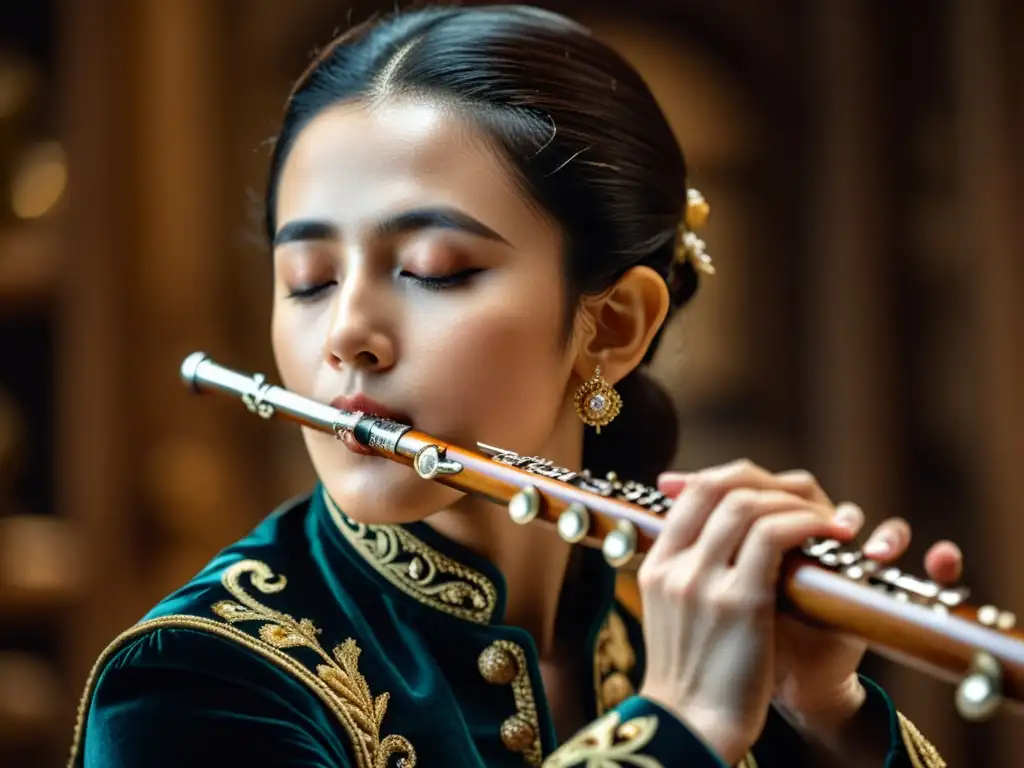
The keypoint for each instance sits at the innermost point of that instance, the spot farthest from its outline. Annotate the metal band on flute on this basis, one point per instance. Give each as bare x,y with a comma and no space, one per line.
915,621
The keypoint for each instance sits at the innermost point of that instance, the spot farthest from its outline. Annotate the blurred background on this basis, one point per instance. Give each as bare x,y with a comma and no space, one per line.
863,162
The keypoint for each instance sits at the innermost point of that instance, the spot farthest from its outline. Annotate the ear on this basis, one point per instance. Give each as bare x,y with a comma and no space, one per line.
615,328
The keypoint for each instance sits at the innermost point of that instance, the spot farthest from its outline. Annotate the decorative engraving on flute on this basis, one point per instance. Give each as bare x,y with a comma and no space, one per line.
385,434
254,400
339,430
430,461
611,486
851,562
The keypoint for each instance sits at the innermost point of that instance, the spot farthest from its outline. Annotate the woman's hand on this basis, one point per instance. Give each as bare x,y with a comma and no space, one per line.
717,654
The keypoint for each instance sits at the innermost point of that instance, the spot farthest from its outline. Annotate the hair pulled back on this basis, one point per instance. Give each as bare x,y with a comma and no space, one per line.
579,129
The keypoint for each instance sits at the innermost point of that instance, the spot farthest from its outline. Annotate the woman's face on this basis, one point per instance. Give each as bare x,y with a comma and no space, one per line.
410,270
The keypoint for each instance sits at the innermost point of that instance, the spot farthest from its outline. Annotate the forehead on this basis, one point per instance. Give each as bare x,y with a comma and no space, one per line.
353,161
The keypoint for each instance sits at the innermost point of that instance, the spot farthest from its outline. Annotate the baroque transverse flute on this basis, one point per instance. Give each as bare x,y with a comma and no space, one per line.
915,621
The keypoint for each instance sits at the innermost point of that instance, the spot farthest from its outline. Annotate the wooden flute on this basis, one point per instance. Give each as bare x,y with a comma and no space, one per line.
911,620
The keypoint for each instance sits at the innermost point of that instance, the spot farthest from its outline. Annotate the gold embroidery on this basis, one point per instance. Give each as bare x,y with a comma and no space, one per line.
606,744
320,687
614,659
362,713
338,683
526,705
922,753
418,569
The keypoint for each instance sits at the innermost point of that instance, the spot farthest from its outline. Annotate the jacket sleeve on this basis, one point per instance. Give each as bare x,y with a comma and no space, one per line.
638,732
178,697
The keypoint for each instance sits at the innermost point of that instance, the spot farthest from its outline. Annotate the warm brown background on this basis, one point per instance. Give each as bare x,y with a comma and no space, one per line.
863,161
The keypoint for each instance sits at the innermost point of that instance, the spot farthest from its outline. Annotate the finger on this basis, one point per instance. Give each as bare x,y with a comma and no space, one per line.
944,563
889,540
672,483
850,516
696,494
798,482
803,483
731,520
771,537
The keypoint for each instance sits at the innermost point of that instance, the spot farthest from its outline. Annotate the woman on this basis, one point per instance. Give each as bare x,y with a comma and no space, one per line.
476,215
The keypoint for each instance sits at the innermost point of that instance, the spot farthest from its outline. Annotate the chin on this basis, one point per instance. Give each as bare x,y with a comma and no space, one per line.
374,490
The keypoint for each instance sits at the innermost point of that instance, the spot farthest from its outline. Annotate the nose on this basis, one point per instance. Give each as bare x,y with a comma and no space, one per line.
359,334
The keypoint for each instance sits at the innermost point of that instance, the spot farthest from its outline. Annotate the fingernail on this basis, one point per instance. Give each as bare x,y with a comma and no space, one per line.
878,547
846,518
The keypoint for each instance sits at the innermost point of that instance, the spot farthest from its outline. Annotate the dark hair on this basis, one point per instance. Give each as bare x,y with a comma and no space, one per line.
580,130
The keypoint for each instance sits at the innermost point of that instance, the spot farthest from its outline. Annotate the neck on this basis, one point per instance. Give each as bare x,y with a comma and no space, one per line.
534,560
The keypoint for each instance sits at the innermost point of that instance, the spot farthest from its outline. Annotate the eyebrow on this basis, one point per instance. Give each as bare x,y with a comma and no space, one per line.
399,223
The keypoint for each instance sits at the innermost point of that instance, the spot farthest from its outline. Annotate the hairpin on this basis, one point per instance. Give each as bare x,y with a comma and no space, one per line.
690,247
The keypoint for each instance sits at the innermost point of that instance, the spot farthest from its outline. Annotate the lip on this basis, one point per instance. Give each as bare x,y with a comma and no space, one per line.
360,403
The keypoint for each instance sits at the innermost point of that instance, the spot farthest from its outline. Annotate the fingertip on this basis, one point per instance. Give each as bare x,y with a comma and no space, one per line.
944,562
671,483
850,517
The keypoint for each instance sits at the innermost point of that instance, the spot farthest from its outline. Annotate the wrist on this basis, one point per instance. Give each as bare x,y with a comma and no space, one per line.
826,715
718,733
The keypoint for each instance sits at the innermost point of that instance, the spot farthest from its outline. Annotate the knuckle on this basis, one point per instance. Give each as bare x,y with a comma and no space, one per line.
700,485
739,602
768,531
741,466
801,478
742,504
649,576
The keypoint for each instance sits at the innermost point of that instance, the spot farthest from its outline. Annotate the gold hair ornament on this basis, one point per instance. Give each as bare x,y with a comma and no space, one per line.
689,247
597,402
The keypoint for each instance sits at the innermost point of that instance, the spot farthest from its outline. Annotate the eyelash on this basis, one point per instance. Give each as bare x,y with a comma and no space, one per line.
443,282
428,282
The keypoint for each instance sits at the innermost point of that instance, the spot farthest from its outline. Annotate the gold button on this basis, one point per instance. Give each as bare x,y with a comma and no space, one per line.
615,689
517,734
497,665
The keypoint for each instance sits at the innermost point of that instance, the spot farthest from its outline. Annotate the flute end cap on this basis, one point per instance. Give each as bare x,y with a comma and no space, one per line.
189,368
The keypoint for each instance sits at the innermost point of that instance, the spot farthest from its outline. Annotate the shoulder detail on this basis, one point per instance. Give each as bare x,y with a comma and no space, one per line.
922,752
337,681
419,570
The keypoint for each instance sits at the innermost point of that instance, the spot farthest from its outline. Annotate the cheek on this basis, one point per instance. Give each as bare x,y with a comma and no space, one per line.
497,375
298,340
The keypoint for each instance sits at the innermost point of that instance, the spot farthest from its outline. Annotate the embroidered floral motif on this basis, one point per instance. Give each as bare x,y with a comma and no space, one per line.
361,713
614,659
607,744
922,752
419,570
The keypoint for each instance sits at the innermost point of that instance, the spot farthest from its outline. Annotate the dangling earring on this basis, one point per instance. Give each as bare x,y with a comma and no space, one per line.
597,403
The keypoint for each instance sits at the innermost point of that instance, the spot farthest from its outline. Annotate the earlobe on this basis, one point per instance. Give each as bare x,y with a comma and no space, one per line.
619,324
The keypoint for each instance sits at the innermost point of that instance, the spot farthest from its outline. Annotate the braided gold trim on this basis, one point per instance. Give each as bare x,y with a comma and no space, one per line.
922,752
419,570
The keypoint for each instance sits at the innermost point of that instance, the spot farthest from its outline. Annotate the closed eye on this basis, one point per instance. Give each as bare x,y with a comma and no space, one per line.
310,292
442,282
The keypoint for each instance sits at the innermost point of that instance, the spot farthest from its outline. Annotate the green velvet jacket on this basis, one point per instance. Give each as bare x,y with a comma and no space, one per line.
318,641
